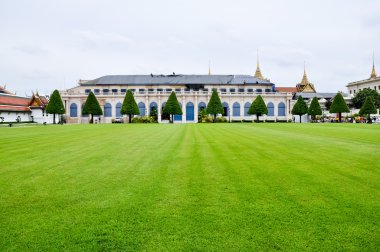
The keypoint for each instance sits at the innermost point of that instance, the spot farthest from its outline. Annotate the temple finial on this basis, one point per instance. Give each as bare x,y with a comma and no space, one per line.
209,68
304,80
373,72
258,72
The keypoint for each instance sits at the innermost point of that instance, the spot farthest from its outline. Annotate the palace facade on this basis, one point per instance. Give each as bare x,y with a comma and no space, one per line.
373,82
236,92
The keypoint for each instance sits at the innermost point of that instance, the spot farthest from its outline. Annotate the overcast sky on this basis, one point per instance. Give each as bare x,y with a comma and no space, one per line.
47,44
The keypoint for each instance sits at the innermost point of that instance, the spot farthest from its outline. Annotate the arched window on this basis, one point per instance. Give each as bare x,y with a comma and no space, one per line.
73,110
107,110
118,108
226,111
281,109
236,109
142,108
247,105
190,111
201,106
270,107
153,105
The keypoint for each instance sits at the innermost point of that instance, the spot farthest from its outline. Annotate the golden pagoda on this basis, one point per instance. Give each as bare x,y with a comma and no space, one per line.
305,86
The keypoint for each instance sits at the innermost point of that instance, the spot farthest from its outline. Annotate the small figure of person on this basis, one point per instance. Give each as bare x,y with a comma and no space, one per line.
99,119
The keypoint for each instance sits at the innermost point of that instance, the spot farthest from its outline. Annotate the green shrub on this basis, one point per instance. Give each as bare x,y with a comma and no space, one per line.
143,119
221,120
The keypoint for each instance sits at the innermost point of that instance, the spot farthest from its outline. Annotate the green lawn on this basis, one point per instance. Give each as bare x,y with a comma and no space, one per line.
190,187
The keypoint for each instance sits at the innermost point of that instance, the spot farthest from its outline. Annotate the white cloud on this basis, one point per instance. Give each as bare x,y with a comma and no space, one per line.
101,37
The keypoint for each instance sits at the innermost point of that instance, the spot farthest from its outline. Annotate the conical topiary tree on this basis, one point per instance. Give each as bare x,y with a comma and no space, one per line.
55,105
315,108
129,106
172,107
92,107
339,106
368,108
214,106
300,108
258,108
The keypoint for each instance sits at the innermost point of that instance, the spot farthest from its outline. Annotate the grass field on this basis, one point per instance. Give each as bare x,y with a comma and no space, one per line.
190,187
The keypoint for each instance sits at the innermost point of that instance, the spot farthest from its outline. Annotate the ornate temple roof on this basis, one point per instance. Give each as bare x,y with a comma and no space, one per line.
13,103
38,101
10,102
305,86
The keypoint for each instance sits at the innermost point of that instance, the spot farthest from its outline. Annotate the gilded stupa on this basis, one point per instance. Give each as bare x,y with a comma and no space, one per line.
258,73
373,72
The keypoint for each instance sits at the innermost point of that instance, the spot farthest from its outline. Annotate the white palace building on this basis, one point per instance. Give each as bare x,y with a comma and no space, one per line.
193,93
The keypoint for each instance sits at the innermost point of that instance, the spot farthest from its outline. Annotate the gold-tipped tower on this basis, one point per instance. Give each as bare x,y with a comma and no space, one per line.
305,86
258,73
373,72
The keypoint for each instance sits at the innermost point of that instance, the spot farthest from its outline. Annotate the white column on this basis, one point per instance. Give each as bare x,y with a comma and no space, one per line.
229,117
66,103
196,109
147,108
79,111
113,104
287,107
159,109
241,108
275,109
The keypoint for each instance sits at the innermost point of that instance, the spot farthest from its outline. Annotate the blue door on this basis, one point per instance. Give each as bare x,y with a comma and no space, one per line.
189,111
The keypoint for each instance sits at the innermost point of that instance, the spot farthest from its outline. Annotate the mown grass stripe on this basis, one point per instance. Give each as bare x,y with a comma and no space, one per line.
190,187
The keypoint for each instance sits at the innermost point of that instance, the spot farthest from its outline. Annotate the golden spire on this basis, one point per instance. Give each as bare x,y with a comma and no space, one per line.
209,68
373,73
305,86
304,80
258,72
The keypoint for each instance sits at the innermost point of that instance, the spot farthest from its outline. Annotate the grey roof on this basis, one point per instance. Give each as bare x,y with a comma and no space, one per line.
354,83
318,95
174,79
